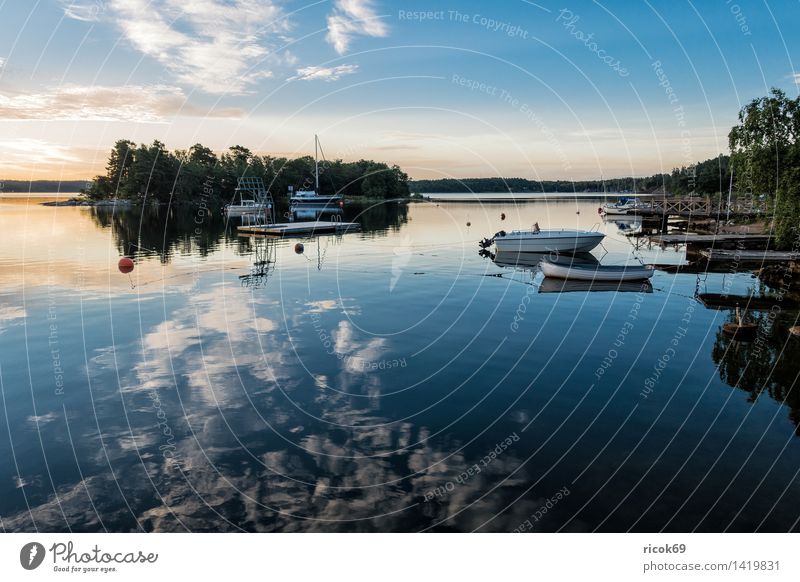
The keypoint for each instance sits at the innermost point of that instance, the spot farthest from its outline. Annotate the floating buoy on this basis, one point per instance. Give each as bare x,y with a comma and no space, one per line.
600,210
577,212
795,330
125,265
299,248
469,223
502,216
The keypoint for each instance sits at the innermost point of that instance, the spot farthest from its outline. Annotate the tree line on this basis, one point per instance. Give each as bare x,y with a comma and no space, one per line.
41,185
144,173
706,178
765,155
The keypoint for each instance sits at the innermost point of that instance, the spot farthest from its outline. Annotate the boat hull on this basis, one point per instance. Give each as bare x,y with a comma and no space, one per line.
551,285
568,242
598,273
531,261
321,201
618,211
246,210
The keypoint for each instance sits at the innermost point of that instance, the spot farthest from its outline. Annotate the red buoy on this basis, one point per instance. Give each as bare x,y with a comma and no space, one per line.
600,210
299,248
125,265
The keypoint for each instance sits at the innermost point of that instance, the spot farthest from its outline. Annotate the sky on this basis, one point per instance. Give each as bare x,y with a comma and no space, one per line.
513,88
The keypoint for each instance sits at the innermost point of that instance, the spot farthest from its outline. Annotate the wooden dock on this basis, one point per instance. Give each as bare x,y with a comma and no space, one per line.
749,256
298,228
701,239
697,207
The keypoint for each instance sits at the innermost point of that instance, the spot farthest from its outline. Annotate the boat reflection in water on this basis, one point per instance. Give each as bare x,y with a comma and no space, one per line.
315,212
626,224
551,285
531,261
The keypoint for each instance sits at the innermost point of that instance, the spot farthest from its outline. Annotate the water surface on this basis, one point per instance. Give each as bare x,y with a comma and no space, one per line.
387,380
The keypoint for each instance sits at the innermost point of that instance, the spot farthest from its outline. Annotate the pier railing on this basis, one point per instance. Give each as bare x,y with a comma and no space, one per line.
704,206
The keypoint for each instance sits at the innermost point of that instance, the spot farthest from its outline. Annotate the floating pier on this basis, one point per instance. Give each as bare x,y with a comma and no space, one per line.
698,239
298,228
749,256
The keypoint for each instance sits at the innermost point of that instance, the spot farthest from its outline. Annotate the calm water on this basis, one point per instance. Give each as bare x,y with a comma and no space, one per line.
387,380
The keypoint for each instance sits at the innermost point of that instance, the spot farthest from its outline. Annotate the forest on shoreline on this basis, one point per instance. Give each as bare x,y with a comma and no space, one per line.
151,173
707,178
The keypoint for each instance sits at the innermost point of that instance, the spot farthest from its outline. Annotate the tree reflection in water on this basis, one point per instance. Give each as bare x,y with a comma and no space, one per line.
770,363
184,230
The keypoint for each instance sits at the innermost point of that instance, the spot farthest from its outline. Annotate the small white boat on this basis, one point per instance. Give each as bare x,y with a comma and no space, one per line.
624,206
545,241
615,273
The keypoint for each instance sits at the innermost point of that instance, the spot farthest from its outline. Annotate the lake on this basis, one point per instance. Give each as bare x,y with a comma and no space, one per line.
384,380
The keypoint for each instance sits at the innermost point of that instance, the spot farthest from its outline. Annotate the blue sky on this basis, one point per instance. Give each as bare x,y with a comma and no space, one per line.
513,88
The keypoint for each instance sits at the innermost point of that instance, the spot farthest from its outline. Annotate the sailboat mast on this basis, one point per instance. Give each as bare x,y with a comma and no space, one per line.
316,163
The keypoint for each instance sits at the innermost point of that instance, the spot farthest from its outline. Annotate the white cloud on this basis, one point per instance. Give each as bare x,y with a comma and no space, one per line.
796,76
351,18
324,73
49,152
214,45
142,103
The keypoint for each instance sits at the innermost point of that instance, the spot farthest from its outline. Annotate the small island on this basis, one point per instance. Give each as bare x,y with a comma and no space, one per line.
152,174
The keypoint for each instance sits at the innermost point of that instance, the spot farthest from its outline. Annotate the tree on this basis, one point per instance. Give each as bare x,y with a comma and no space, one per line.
765,156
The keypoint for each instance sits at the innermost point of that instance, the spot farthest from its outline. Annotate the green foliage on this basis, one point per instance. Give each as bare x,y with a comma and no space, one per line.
154,174
765,155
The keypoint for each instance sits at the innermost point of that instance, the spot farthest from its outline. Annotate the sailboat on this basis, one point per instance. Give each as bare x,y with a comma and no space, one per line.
307,197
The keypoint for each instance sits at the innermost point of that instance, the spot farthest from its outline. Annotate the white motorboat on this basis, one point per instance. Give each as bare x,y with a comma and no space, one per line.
624,206
578,272
547,240
312,196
